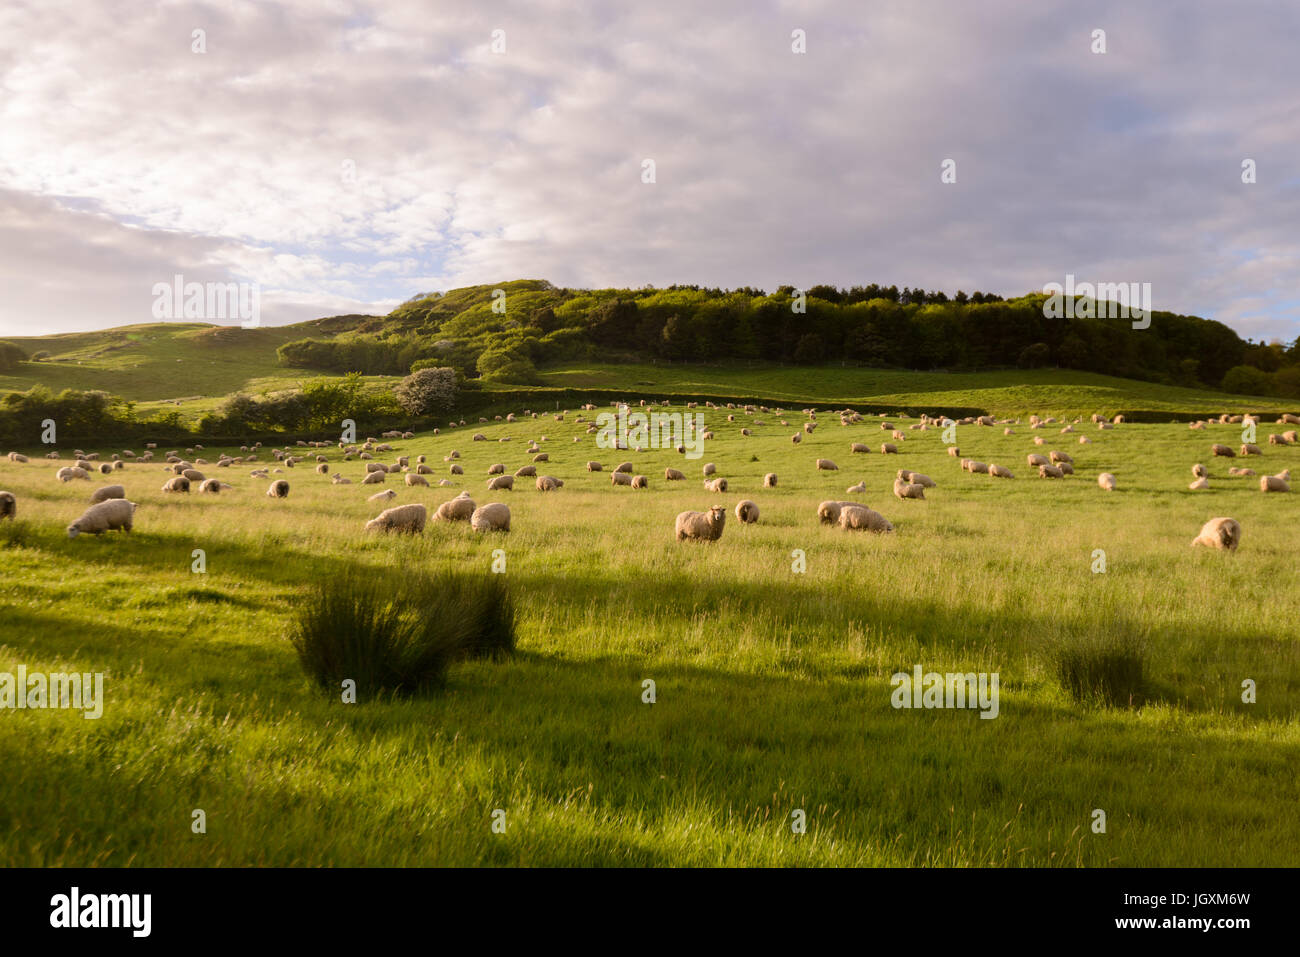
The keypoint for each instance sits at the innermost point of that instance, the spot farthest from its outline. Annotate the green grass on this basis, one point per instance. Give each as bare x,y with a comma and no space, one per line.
772,688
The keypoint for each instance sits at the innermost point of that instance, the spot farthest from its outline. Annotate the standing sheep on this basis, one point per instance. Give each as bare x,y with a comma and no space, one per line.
716,485
8,506
105,492
116,514
70,472
769,480
177,483
1200,471
701,526
459,509
546,483
493,517
746,512
888,448
403,519
826,465
674,475
709,469
640,481
210,486
499,482
859,517
280,488
414,478
908,490
1222,533
1106,481
1223,450
828,513
620,478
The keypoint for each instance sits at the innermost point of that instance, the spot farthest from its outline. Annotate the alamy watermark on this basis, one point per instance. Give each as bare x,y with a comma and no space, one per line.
37,690
654,430
922,689
208,301
1103,300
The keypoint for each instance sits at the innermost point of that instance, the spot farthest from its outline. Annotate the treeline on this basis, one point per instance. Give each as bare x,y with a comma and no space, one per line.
505,333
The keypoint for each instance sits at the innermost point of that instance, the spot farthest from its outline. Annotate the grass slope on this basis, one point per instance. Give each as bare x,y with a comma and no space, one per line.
772,686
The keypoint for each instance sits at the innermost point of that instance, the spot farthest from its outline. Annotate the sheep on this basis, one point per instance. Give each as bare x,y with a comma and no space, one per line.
640,481
1039,440
594,467
625,467
908,490
857,489
497,469
177,483
1250,450
828,513
796,438
115,514
978,468
809,426
916,478
746,512
716,485
375,478
70,472
383,496
1199,484
1059,457
1242,473
526,471
336,478
106,492
1035,460
403,519
954,451
1106,481
479,437
423,470
826,465
859,517
18,457
1050,471
859,447
1223,450
619,478
9,506
1000,471
1275,439
1066,468
413,478
1200,471
888,448
769,480
709,469
1292,437
376,467
546,483
279,489
456,470
1223,533
323,469
1290,418
211,486
493,517
500,482
700,526
459,509
1084,440
1273,483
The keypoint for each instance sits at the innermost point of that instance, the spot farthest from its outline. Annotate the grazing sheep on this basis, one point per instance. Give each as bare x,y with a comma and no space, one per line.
18,457
916,478
619,478
1106,481
701,526
673,475
857,489
493,517
499,482
210,486
1058,457
796,438
70,472
1000,471
375,478
412,478
1251,450
640,481
423,470
323,469
908,490
1292,437
746,512
1050,471
977,468
625,467
1066,468
1035,460
497,469
459,509
1240,472
593,466
828,513
1273,483
541,457
106,468
383,496
859,447
1275,439
116,514
1200,471
1199,484
403,519
280,489
954,451
769,480
709,469
826,465
479,437
888,448
106,492
858,517
9,504
1222,533
716,485
527,471
546,483
1223,450
376,467
177,483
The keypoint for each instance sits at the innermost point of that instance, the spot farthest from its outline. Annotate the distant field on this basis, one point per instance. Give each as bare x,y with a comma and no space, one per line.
773,687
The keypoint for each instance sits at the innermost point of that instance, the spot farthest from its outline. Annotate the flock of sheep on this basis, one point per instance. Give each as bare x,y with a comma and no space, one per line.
109,509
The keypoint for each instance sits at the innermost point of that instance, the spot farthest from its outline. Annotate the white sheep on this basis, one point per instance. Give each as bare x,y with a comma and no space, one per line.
70,472
769,480
116,514
414,478
828,513
1224,533
857,489
888,448
546,483
459,509
383,496
852,516
746,512
1050,471
493,517
279,489
177,483
106,492
211,486
826,465
908,490
709,469
674,475
1200,484
1273,483
701,526
499,482
640,481
716,485
403,519
1036,460
1106,481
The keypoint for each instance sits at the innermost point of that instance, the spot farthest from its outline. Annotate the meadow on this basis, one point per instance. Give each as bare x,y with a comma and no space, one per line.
772,686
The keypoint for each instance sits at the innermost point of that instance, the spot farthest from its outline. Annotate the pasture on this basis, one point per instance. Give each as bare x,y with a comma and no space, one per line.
772,686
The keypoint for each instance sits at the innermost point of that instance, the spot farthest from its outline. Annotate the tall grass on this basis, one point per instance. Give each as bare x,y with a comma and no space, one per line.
1107,667
401,637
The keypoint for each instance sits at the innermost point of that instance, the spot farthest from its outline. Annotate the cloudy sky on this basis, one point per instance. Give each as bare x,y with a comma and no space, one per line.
345,155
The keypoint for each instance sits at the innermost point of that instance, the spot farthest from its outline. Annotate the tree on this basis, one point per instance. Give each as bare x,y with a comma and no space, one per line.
1247,380
427,391
810,350
10,356
1031,357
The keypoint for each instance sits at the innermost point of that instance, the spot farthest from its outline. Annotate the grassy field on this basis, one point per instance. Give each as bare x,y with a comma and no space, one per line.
773,687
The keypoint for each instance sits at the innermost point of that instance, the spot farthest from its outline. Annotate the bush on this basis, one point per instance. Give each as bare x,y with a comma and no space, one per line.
10,356
400,636
1247,380
1107,669
427,391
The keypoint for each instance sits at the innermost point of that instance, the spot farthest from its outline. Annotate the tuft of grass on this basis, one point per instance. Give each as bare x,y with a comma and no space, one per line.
400,638
1107,667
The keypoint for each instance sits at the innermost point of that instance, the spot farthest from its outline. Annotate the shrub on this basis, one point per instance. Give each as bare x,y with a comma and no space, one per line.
427,391
400,636
1107,668
10,356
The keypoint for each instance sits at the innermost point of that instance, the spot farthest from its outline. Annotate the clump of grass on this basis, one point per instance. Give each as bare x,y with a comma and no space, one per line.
400,637
1106,667
13,534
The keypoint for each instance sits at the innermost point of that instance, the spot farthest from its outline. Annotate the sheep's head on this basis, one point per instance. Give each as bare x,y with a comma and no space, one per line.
718,514
74,530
